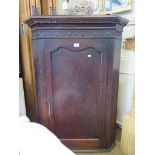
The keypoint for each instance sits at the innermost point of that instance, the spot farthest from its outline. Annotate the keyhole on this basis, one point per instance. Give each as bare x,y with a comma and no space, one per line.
89,55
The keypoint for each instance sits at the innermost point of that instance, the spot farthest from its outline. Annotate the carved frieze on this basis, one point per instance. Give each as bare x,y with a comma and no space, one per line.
40,33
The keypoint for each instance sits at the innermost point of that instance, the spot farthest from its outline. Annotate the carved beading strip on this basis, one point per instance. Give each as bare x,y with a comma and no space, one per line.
75,34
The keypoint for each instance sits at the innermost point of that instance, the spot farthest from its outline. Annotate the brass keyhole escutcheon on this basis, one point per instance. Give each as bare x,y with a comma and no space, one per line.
89,55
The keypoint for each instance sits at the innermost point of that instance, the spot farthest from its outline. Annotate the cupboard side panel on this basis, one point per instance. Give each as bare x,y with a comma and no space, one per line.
40,82
112,90
116,67
103,84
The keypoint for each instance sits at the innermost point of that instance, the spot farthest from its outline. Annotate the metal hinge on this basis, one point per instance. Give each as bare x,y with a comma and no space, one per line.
50,102
23,29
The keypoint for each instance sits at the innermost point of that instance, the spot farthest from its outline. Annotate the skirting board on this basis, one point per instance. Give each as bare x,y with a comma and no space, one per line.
94,150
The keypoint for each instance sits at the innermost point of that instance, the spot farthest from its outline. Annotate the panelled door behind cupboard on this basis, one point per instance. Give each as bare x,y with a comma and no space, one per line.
76,68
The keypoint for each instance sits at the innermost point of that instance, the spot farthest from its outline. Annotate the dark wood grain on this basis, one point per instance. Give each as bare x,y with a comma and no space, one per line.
76,65
81,143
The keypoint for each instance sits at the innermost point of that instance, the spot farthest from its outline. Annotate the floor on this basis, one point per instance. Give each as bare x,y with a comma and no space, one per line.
115,151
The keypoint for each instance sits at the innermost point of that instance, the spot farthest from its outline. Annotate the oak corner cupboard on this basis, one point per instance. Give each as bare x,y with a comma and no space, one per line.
76,70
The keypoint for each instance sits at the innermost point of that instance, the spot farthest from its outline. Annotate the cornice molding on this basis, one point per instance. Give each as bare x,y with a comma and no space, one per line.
71,20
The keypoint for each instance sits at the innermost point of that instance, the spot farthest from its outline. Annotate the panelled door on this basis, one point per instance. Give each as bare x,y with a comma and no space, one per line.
76,80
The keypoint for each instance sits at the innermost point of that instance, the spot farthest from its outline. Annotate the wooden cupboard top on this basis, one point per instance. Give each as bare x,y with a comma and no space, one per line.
98,20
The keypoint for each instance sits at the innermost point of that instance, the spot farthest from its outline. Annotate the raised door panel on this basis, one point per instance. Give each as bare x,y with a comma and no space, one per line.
76,82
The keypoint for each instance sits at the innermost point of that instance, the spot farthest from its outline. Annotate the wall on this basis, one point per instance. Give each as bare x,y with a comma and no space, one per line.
22,110
126,78
129,31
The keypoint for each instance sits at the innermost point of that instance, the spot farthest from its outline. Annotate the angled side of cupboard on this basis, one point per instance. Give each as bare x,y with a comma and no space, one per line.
76,68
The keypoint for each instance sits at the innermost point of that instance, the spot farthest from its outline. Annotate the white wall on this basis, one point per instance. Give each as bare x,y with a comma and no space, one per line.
22,110
126,78
126,84
129,30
